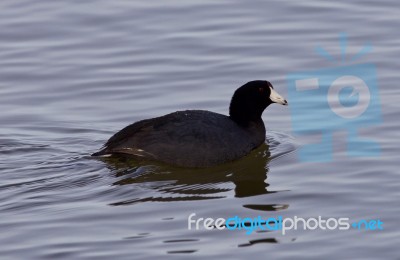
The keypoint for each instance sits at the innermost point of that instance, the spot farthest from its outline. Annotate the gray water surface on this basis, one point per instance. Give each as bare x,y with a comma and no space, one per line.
72,73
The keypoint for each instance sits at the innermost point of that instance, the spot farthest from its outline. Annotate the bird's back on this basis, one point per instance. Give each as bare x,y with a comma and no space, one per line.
192,138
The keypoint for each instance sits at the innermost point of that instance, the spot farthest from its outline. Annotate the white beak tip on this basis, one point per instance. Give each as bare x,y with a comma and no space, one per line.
276,98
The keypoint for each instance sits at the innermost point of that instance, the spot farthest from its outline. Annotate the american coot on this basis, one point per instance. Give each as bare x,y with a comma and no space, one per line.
197,138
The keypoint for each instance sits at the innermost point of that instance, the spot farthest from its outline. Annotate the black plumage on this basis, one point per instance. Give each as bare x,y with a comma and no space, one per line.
197,138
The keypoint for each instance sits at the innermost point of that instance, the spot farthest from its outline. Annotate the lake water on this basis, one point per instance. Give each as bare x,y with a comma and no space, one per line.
72,73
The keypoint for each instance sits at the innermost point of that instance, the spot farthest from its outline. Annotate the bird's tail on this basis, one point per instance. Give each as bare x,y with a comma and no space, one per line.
101,152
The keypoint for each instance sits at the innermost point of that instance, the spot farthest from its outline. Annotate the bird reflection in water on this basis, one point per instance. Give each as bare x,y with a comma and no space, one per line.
246,177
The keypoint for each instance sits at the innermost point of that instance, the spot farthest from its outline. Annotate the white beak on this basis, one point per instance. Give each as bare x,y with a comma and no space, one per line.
276,98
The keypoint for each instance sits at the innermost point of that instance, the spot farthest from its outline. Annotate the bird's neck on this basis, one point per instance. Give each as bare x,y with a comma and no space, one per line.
244,116
250,120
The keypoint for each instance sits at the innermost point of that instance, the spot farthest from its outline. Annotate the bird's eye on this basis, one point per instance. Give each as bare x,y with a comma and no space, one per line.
261,90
